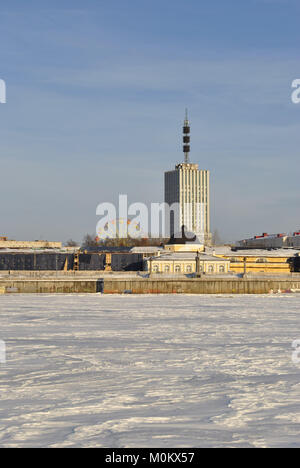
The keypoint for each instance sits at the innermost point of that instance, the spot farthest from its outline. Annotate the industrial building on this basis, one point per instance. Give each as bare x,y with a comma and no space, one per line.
59,261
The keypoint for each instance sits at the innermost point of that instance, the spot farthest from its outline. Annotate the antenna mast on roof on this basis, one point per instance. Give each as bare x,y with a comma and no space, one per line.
186,138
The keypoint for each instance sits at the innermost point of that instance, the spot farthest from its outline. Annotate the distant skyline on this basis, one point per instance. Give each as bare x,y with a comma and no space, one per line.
96,96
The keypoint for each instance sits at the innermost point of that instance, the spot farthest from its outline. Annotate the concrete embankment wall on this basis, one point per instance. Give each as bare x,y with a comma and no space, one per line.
200,286
51,286
59,275
149,286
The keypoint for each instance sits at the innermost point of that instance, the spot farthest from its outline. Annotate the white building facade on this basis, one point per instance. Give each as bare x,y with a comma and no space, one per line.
185,263
188,187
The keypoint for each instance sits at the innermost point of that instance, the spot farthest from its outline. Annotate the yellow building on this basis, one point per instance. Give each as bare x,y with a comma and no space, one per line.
259,261
185,263
13,244
184,247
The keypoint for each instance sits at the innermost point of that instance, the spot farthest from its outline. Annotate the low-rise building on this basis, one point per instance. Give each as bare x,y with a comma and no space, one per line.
279,261
270,241
13,244
186,263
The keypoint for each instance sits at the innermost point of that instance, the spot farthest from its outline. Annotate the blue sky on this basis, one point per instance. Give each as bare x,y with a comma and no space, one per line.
96,93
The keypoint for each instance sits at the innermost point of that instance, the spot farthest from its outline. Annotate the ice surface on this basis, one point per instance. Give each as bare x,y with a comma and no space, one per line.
149,371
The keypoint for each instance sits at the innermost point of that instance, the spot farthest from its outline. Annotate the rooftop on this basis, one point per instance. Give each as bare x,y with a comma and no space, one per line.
224,250
145,249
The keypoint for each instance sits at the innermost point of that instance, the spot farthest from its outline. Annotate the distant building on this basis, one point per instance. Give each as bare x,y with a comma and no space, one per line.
12,244
271,241
188,187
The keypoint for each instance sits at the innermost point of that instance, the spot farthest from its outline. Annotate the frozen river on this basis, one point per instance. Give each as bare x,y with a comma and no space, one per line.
149,371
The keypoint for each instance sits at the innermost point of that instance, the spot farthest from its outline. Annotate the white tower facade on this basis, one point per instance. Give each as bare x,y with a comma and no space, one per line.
188,187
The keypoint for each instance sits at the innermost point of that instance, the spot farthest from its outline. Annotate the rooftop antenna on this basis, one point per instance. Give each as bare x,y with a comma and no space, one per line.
186,138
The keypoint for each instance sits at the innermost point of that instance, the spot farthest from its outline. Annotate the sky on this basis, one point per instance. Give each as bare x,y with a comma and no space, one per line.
96,96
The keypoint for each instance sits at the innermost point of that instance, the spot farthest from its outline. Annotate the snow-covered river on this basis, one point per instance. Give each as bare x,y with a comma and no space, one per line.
149,371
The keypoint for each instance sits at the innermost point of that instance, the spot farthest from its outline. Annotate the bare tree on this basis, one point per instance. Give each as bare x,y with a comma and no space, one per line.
132,242
71,243
216,239
89,241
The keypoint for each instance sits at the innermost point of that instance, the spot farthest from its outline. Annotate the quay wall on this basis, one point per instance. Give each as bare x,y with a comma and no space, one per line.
149,286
